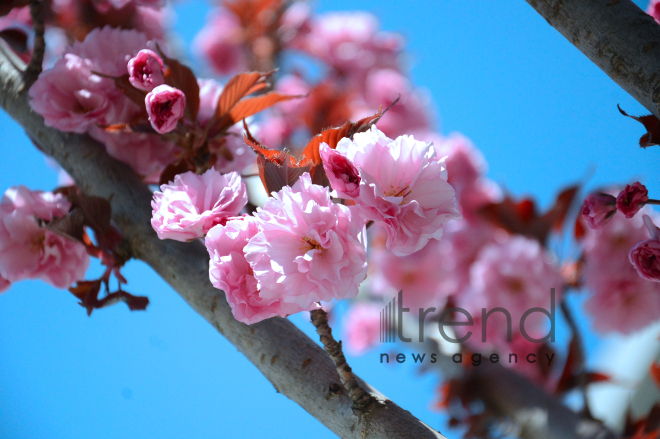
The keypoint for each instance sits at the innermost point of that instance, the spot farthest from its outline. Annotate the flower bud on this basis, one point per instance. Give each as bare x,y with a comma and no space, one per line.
598,209
631,199
165,106
145,70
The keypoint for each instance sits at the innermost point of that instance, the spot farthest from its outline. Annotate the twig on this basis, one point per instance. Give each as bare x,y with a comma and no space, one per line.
362,400
36,62
582,379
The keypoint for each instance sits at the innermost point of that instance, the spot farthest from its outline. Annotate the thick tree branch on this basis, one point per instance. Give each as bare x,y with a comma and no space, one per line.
293,363
617,36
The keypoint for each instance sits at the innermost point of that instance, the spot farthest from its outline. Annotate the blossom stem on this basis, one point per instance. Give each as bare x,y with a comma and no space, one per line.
362,399
36,62
581,376
651,201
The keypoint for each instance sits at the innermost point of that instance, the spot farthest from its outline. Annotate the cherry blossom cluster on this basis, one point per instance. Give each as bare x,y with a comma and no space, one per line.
28,250
600,208
301,248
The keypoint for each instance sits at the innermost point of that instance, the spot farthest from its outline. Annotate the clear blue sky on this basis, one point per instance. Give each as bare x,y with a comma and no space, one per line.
541,113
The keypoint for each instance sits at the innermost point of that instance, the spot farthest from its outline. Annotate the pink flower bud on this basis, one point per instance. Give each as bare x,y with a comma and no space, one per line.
645,255
344,177
598,209
145,70
631,199
165,107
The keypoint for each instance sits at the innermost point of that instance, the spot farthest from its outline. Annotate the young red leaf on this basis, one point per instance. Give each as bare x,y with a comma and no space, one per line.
134,303
276,168
652,125
522,218
655,373
179,76
132,93
332,136
87,292
174,169
237,88
70,226
96,212
248,107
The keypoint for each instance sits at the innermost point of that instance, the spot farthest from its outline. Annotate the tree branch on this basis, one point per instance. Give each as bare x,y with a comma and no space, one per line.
293,363
617,36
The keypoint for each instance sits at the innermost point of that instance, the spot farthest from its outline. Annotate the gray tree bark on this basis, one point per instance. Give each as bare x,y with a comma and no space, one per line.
617,36
295,365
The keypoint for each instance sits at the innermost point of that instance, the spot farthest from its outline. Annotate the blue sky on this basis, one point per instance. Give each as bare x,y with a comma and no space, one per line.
540,112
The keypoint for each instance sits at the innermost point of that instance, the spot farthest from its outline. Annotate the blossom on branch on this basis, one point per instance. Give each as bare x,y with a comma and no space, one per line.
145,70
308,249
403,186
192,204
598,209
30,251
165,107
230,272
631,199
645,255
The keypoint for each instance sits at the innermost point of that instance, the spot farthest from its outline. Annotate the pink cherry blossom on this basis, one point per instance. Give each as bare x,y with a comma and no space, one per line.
644,256
410,114
419,275
344,177
190,206
621,300
110,49
70,97
148,154
598,209
309,249
403,186
145,70
230,272
165,106
28,251
209,93
232,154
352,43
465,164
514,273
631,199
220,42
362,327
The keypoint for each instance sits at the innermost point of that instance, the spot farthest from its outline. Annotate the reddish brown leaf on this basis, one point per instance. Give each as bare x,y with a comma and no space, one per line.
134,303
332,136
655,373
17,40
328,105
132,93
276,168
237,88
7,5
70,226
579,232
179,76
96,211
652,125
248,107
174,169
522,218
117,128
87,292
